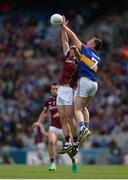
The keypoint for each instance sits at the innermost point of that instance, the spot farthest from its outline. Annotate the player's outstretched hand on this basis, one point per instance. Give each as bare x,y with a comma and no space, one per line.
65,22
35,124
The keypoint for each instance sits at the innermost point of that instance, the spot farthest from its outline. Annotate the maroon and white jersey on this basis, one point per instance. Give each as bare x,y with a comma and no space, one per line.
51,105
69,73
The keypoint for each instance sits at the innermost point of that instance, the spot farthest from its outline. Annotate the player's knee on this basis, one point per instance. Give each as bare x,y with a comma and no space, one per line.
77,108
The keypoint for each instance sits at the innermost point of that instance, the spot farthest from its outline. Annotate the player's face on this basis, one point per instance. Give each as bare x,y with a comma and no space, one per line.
54,89
91,43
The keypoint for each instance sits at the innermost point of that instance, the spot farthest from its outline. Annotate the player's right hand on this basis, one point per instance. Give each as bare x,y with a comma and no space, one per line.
35,124
65,22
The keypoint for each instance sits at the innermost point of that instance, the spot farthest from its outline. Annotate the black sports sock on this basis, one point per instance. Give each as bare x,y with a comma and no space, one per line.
52,160
67,138
86,125
75,139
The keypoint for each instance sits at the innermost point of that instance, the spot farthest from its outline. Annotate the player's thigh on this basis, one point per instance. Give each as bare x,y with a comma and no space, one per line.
82,102
69,111
87,100
52,137
61,110
79,103
57,131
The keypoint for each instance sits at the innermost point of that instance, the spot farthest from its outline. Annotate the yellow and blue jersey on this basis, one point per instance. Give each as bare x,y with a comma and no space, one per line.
89,61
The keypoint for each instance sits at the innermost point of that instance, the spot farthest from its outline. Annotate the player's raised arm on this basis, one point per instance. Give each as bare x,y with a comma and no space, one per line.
41,118
71,35
64,39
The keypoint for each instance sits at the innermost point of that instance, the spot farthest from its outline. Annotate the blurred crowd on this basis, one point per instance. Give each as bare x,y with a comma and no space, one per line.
31,58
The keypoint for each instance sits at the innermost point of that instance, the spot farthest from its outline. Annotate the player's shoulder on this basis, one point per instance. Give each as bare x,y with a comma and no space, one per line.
50,98
84,48
47,100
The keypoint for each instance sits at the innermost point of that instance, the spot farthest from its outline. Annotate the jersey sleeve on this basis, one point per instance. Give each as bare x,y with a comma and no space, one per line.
84,49
79,45
46,104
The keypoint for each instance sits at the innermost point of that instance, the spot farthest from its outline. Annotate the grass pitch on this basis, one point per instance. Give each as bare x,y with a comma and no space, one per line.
64,172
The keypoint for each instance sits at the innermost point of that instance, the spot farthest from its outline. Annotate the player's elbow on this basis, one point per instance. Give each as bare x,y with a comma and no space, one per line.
74,39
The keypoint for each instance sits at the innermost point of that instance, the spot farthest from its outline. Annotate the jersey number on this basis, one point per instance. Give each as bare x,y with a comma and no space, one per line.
95,63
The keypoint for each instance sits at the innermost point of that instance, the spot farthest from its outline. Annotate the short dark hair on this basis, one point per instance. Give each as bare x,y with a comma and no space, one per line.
98,43
54,84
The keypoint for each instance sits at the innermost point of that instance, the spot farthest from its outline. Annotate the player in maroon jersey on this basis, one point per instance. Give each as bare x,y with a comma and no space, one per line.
55,129
55,125
65,95
68,82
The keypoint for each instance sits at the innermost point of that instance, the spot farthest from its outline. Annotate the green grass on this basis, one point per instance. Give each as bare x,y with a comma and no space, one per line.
64,172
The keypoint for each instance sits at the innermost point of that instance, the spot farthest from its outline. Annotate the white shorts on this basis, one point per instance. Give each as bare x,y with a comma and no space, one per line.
86,87
58,131
65,96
